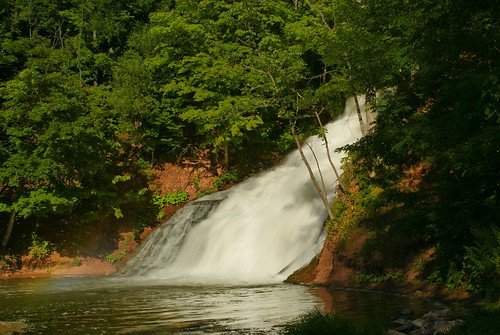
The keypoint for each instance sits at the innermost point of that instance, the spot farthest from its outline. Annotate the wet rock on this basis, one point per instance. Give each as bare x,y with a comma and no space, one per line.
422,323
406,311
431,323
432,316
442,313
442,326
402,325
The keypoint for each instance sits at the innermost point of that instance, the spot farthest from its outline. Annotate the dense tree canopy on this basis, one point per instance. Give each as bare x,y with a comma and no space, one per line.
93,93
444,115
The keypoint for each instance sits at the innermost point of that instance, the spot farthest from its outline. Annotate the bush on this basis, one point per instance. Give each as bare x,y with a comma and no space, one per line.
483,263
227,177
39,251
116,256
174,198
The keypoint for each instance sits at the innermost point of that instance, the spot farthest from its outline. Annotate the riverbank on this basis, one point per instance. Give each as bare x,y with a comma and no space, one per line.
321,272
90,267
336,268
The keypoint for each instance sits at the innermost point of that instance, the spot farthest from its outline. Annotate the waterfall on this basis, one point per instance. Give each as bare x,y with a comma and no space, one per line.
260,231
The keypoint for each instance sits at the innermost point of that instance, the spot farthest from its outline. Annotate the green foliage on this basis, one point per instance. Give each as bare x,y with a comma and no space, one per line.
8,263
174,198
225,178
372,278
4,265
447,274
116,256
76,261
483,262
152,130
39,251
62,144
362,200
440,114
316,322
234,85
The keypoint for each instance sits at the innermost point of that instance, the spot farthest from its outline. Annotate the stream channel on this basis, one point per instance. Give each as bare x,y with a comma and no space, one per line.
121,306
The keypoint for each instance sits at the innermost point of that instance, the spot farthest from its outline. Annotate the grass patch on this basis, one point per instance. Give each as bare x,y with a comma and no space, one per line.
316,322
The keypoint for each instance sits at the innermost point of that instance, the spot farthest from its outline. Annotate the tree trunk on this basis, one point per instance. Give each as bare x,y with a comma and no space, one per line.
322,194
354,95
369,111
323,186
10,225
225,162
327,148
358,109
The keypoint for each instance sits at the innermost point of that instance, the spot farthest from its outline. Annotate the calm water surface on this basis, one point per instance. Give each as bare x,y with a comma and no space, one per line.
122,306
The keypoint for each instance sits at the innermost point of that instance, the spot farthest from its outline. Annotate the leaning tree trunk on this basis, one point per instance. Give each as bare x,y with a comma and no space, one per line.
354,95
10,225
321,193
323,186
358,108
369,110
327,148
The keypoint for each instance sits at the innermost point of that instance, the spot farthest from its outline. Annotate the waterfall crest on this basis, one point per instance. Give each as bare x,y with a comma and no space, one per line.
263,229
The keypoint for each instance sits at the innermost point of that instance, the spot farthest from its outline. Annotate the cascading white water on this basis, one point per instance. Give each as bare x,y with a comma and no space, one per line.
266,228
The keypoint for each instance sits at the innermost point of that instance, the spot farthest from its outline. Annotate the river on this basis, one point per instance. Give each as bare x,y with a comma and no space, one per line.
120,306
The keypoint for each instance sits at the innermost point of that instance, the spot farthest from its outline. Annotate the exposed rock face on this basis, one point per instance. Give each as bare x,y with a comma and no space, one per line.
341,263
191,177
331,267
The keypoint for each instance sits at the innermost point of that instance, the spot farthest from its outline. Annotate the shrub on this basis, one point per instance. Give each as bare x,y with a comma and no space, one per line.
173,198
116,256
483,263
374,278
225,178
39,251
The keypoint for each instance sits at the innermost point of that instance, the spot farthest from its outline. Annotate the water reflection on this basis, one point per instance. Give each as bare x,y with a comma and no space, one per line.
373,305
116,306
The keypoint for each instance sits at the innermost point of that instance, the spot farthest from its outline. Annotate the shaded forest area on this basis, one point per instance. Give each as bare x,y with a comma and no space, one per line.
94,93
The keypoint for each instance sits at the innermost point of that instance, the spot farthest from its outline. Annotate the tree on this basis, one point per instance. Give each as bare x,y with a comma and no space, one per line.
205,83
45,144
443,111
152,131
60,152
